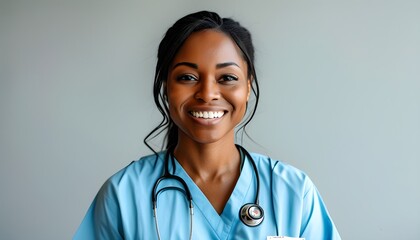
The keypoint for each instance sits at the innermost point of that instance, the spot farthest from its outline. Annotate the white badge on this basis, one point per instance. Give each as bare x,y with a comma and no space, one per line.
283,238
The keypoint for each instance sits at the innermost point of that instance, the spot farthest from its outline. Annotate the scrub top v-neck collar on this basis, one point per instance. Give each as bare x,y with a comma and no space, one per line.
221,224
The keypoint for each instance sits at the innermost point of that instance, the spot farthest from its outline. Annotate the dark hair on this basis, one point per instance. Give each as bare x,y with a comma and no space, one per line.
169,47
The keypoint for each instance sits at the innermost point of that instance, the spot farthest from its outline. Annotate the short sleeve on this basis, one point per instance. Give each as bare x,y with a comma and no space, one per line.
316,221
103,218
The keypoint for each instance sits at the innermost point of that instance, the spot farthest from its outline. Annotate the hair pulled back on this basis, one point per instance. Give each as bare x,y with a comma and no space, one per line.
169,47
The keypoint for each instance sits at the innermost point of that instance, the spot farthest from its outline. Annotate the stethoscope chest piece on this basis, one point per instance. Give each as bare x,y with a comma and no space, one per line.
251,214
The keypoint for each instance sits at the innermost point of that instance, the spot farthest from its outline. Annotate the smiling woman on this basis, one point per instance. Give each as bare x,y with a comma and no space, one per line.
209,76
204,78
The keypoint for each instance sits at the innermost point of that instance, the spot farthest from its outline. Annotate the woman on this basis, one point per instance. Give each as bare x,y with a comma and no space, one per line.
204,186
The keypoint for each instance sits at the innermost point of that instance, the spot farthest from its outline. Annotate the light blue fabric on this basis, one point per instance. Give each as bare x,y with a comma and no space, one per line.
122,208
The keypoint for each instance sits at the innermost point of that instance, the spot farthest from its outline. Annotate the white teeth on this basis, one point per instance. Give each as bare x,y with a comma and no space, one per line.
208,115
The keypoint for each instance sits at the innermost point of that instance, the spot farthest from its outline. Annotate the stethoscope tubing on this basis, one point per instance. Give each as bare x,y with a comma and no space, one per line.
186,191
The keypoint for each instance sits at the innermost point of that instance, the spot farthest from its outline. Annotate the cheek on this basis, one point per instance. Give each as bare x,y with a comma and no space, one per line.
172,95
175,102
241,96
239,100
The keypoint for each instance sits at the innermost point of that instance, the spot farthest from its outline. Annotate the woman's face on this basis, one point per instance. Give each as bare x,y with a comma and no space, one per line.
207,88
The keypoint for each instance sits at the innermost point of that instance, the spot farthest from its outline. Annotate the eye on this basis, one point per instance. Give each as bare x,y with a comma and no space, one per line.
228,78
186,78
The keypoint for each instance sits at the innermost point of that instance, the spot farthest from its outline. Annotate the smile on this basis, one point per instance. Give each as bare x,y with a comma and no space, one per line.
207,114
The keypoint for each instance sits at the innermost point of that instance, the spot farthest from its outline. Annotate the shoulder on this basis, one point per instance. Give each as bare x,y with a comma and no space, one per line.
279,168
144,170
111,212
282,173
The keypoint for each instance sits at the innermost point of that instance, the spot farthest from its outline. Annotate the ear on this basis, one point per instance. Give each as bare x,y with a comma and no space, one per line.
249,89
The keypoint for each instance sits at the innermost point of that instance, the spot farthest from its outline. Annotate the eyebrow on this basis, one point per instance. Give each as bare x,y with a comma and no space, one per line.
226,64
192,65
195,66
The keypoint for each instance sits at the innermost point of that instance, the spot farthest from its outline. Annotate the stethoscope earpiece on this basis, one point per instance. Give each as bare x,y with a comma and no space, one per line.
251,214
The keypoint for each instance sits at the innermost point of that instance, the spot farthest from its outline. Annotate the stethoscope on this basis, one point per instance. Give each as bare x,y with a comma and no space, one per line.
251,214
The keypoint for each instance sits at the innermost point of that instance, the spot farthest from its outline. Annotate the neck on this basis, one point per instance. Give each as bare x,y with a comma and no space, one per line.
208,160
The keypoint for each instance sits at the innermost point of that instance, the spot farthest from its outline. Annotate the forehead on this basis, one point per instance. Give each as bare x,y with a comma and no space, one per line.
209,46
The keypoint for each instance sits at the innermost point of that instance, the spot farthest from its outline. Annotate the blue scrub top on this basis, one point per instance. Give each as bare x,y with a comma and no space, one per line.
123,209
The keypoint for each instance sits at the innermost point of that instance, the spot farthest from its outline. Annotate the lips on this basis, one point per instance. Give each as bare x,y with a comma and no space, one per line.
207,114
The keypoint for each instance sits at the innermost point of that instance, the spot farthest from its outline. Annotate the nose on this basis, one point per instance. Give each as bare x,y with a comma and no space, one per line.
208,90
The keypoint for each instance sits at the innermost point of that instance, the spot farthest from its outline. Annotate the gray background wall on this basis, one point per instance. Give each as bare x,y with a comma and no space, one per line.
340,100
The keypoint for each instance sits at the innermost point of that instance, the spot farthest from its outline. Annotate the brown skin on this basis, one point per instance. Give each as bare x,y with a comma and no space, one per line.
208,74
